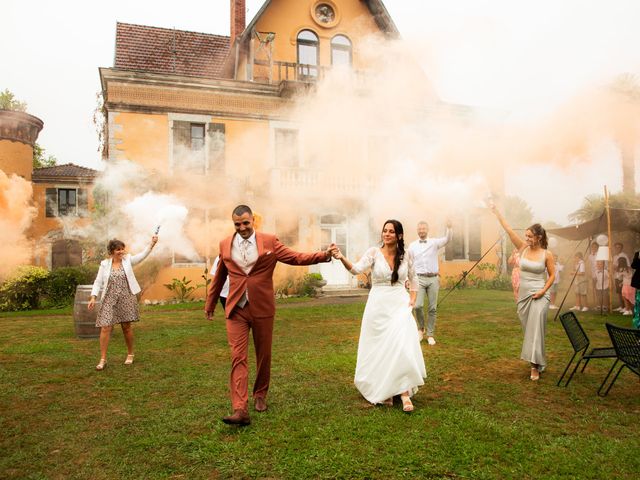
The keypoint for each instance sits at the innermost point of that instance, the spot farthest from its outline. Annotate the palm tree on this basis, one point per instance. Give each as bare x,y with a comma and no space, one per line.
627,88
593,205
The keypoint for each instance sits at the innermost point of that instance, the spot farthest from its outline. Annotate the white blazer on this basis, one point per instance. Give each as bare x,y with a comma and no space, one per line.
128,261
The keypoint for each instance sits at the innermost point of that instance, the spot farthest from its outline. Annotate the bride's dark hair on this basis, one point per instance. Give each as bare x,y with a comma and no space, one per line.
397,226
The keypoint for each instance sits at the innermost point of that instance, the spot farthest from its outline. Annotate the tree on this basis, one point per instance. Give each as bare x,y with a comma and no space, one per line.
593,206
517,212
8,101
40,159
627,87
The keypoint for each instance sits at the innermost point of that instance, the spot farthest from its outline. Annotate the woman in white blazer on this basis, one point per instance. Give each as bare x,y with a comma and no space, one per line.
117,286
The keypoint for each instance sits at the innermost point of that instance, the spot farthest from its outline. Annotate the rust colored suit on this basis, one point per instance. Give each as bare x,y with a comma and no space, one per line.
257,314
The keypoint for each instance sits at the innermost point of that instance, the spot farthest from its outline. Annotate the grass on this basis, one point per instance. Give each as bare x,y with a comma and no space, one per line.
478,416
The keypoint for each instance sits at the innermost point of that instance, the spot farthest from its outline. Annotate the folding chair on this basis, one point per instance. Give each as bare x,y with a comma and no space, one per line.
580,343
626,342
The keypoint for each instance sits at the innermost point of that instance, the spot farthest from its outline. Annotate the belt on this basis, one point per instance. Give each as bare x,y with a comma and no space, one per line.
427,274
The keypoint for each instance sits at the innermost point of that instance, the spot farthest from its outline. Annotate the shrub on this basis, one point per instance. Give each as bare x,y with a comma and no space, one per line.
62,282
488,279
181,288
24,289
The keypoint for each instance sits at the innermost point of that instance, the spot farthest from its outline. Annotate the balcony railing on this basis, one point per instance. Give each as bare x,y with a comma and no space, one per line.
299,72
312,181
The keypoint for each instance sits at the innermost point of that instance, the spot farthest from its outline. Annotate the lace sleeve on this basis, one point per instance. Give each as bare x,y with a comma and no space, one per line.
411,273
365,263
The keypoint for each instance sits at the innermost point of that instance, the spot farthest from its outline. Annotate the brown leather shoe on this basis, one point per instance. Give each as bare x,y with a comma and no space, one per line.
239,417
260,404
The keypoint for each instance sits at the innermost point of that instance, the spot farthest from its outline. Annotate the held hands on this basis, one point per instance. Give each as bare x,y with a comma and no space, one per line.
330,251
334,251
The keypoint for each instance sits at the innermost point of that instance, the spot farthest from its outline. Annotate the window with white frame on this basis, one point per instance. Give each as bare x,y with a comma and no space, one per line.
66,202
198,147
287,148
307,46
341,55
466,241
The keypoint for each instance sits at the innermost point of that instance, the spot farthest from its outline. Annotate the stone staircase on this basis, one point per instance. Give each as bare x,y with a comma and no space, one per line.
344,291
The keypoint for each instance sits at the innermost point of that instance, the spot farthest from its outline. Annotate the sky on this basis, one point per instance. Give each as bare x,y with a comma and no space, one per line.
520,58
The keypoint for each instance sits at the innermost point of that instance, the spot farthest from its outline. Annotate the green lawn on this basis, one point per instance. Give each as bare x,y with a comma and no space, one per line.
478,416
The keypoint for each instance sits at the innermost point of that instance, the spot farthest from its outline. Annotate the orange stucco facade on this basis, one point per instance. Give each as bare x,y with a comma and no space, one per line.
16,158
144,108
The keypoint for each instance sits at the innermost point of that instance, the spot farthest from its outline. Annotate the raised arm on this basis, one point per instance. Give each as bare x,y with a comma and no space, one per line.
513,236
135,259
286,255
361,265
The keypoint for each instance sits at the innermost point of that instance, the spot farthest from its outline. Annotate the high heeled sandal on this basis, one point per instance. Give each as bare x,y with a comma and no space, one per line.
102,364
535,374
388,402
129,359
407,405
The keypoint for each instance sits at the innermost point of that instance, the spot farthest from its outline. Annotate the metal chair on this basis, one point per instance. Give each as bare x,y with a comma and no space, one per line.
580,343
626,342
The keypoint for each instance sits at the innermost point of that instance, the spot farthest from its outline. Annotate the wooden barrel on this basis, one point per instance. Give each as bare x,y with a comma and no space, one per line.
84,320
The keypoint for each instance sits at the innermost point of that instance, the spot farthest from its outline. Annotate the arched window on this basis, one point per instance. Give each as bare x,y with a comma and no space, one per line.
307,54
341,51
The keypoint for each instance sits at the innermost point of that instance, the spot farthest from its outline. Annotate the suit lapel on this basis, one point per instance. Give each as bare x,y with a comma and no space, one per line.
228,246
260,244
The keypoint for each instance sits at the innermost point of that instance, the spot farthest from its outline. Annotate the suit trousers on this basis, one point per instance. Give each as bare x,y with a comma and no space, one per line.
238,326
429,286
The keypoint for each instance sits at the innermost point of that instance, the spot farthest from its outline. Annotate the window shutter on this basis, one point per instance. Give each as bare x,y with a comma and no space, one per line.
83,203
181,142
475,238
217,141
51,202
454,250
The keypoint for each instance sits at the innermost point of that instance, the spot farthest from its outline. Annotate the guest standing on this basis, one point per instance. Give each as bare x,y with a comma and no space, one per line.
514,263
425,254
537,273
119,304
581,283
628,292
635,283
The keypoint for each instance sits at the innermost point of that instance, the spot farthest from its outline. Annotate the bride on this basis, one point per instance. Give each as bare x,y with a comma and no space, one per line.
389,355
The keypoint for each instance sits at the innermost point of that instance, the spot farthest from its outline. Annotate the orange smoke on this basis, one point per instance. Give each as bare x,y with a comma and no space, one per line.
16,214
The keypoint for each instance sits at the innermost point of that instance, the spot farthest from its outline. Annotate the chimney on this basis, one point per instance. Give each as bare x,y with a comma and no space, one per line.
238,22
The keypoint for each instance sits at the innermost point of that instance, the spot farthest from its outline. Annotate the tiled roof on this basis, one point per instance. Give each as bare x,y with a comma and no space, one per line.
167,51
66,170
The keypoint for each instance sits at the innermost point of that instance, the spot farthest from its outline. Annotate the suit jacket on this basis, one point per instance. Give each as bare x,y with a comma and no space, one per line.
128,261
259,281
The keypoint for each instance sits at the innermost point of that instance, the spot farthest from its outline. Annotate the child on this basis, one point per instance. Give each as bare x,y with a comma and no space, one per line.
602,287
556,282
580,273
628,292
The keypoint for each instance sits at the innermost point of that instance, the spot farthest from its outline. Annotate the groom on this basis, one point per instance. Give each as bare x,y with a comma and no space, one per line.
248,258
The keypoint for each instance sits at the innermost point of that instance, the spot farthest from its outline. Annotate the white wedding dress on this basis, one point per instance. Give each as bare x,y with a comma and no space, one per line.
390,358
